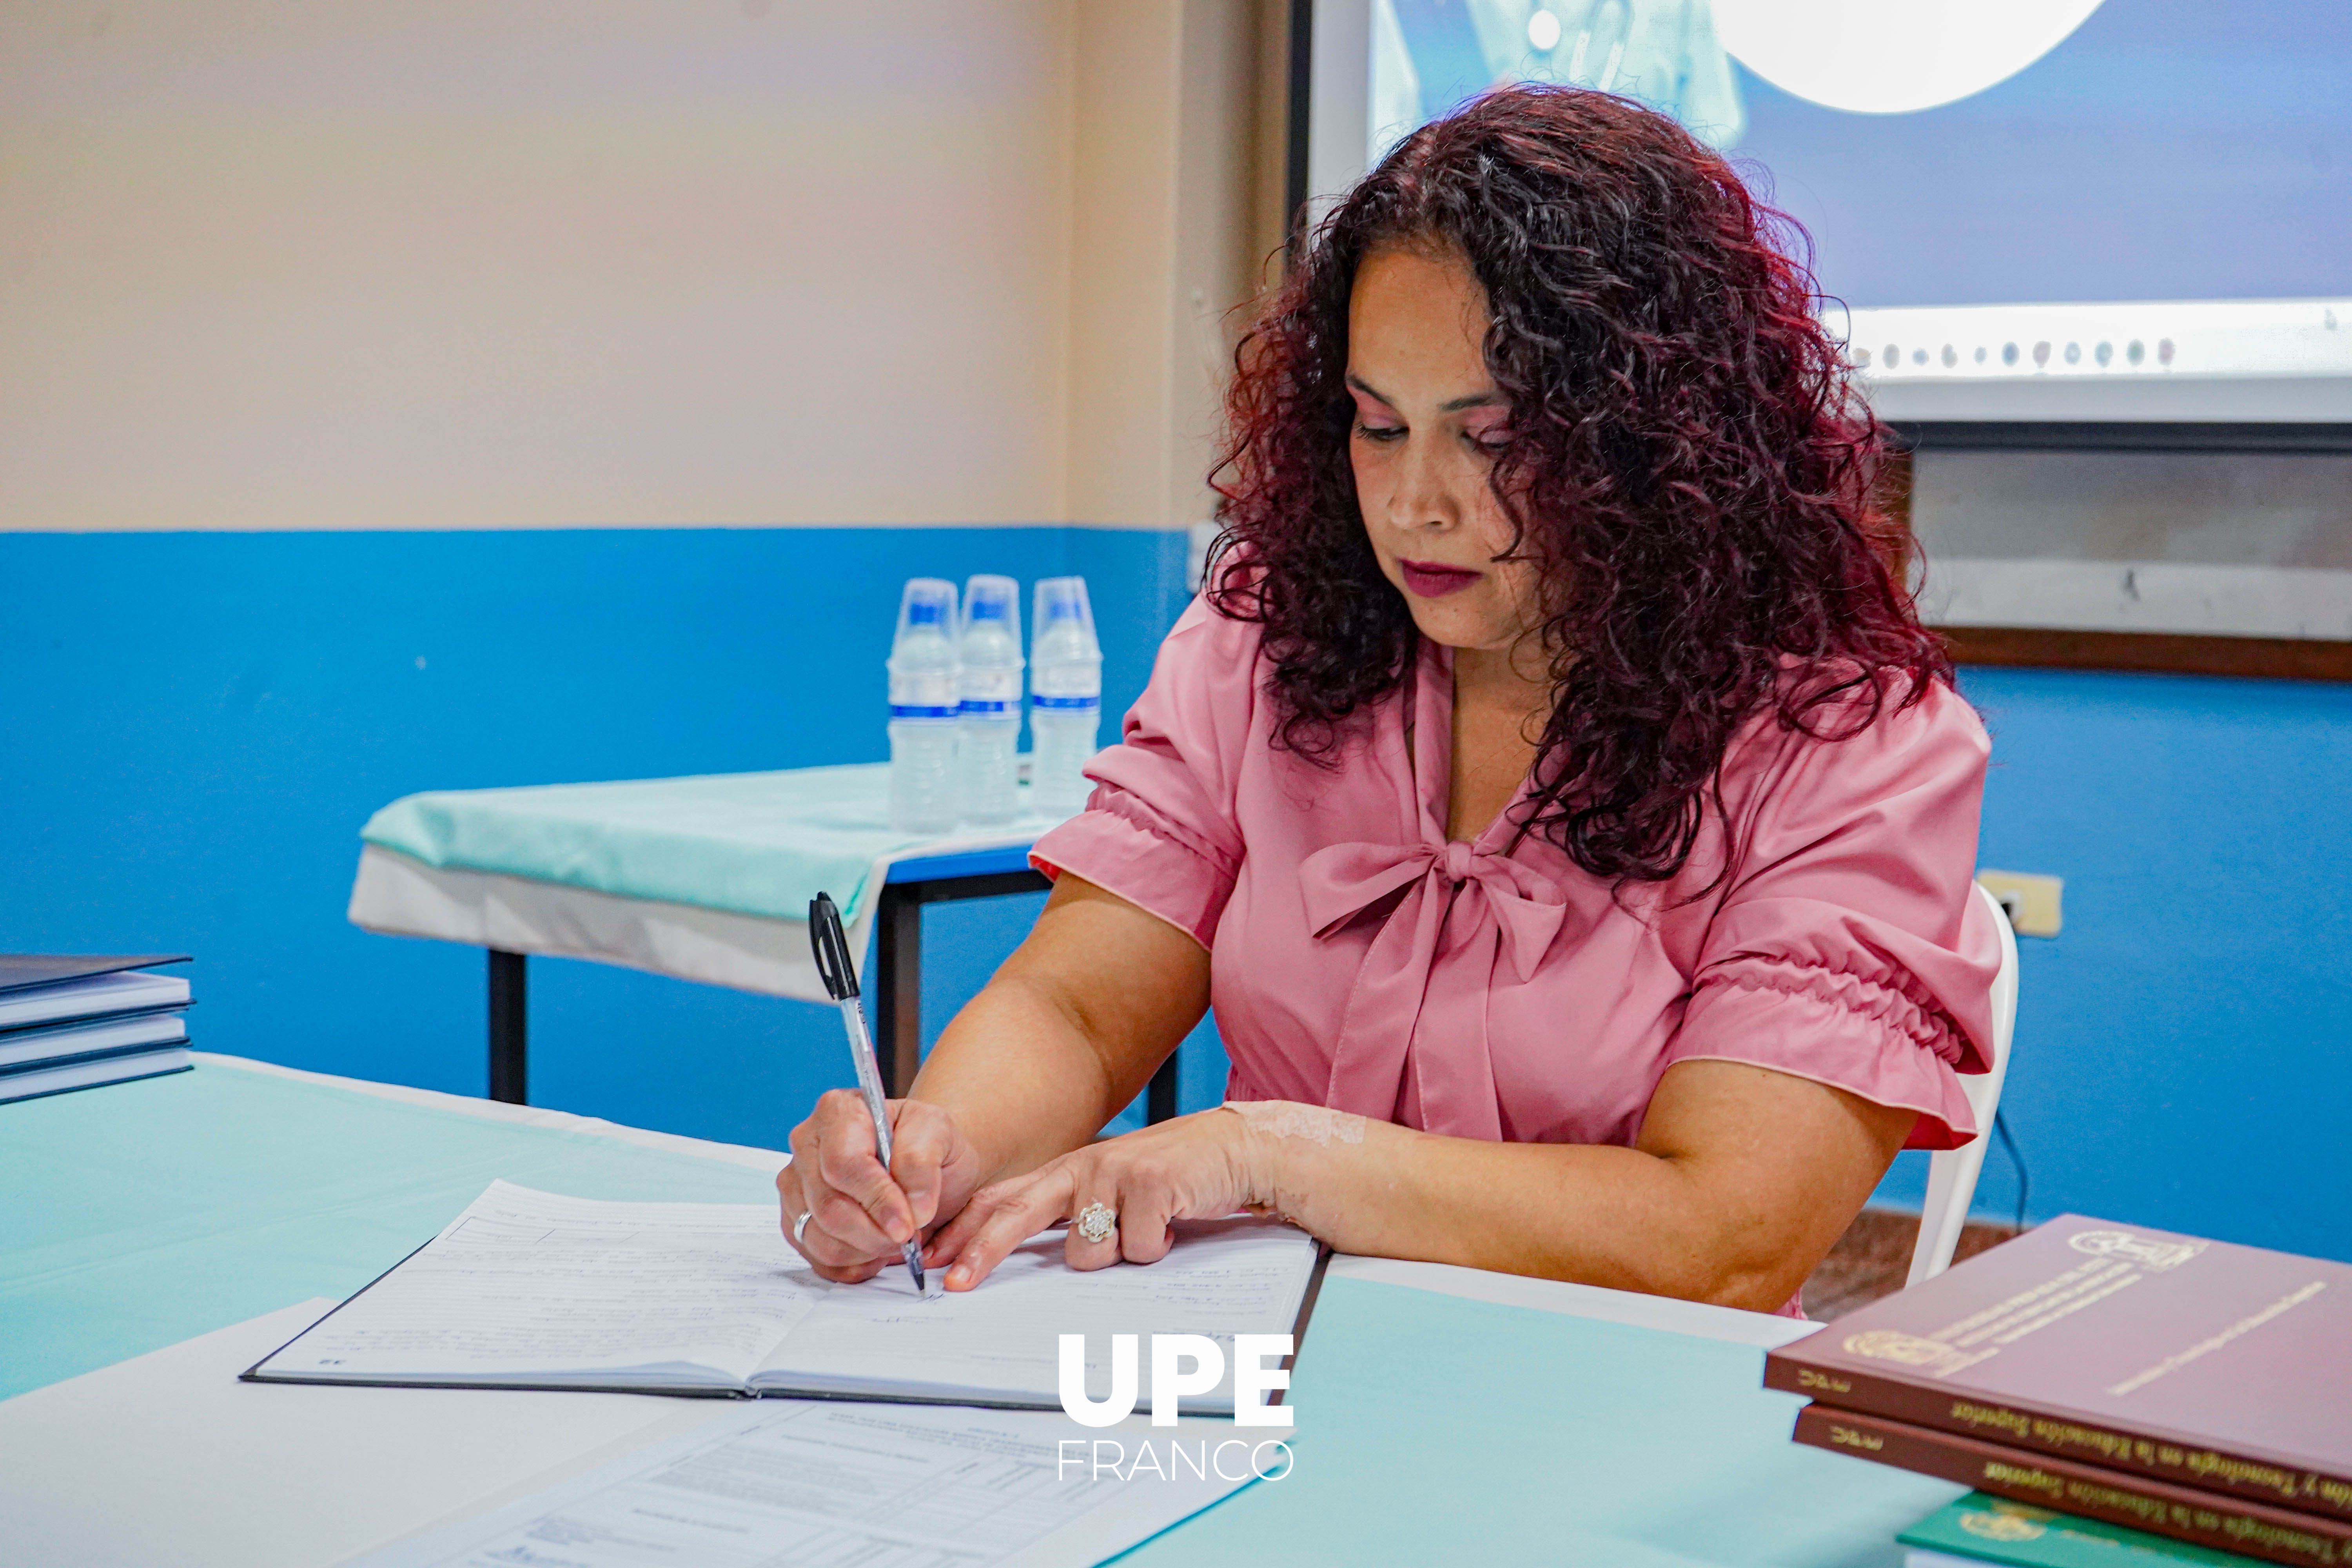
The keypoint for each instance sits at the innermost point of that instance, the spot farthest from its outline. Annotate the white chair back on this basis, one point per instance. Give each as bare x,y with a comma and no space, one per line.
1952,1172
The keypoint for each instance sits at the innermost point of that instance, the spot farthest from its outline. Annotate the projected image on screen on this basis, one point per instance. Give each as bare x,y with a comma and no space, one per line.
1430,55
2035,223
1964,152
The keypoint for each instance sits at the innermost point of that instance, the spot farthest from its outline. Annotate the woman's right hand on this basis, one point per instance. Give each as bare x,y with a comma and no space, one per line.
859,1213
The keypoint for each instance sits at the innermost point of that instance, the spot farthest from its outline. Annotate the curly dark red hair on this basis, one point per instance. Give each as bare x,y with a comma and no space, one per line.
1685,465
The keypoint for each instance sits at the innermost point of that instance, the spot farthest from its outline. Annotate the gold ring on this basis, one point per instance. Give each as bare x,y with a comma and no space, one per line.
1097,1223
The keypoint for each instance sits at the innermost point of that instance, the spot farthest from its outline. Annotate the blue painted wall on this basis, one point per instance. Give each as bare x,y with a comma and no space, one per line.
2184,1047
193,726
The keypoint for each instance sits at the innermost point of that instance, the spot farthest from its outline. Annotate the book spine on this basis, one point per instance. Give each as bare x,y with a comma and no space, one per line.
2113,1496
9,1068
2241,1477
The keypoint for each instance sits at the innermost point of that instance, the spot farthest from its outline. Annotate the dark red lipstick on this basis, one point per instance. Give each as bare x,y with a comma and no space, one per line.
1434,580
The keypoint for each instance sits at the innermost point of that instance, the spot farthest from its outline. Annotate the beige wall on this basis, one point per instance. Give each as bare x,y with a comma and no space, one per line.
615,262
1168,117
1122,261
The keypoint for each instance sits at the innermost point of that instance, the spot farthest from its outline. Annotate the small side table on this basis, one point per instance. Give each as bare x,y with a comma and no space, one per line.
423,875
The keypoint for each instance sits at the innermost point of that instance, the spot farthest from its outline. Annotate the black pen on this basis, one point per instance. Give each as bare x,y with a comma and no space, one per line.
832,966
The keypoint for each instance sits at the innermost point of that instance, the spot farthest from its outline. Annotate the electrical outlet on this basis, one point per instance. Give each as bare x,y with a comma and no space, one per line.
2032,899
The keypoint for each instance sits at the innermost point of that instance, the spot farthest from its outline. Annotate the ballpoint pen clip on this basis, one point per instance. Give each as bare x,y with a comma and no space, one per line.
831,947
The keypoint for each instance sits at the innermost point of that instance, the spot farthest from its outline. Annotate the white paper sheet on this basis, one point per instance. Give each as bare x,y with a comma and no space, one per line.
824,1482
167,1461
527,1285
1003,1340
531,1288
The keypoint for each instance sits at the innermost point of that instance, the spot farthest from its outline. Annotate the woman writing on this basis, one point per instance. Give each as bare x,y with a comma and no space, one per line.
1554,792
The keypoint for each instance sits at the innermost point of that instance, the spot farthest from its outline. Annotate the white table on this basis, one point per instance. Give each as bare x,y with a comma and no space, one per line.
166,1459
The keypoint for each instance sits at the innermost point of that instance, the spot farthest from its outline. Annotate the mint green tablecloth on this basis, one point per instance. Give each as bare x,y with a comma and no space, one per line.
144,1213
1434,1429
1431,1429
750,844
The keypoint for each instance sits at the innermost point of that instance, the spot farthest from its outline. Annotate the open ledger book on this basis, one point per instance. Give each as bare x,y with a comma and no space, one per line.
529,1289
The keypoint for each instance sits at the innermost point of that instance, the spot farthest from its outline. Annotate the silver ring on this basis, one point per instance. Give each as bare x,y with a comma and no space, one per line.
801,1225
1097,1223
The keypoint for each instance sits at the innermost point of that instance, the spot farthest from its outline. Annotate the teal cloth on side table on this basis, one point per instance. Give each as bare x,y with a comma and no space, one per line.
144,1213
1434,1429
750,844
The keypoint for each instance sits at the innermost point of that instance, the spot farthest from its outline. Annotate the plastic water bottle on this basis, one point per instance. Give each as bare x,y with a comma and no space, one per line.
923,701
1065,702
990,652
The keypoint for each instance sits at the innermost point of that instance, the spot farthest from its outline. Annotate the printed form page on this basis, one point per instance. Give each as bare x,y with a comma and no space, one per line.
532,1285
1003,1341
820,1482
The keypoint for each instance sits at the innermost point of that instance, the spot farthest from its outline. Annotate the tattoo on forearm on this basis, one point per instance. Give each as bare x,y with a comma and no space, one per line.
1290,1119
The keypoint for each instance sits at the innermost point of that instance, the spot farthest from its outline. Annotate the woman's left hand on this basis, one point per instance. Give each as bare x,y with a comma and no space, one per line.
1195,1167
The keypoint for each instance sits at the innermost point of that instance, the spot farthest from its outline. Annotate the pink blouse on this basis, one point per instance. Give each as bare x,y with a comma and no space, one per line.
1361,960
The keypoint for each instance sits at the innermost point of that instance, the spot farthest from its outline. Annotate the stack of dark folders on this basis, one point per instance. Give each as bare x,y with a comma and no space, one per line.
78,1022
2189,1388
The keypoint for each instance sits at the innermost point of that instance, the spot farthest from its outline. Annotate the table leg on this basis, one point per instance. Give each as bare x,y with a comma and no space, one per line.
1159,1100
508,1076
899,985
896,984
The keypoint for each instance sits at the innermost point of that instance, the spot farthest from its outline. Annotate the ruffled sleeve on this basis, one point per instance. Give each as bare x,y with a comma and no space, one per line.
1846,948
1159,828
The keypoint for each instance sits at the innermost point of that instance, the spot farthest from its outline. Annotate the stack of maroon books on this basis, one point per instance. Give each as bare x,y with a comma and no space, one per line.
2189,1388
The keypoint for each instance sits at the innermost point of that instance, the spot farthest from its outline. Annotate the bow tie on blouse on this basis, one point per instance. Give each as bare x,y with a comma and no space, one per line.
1462,911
